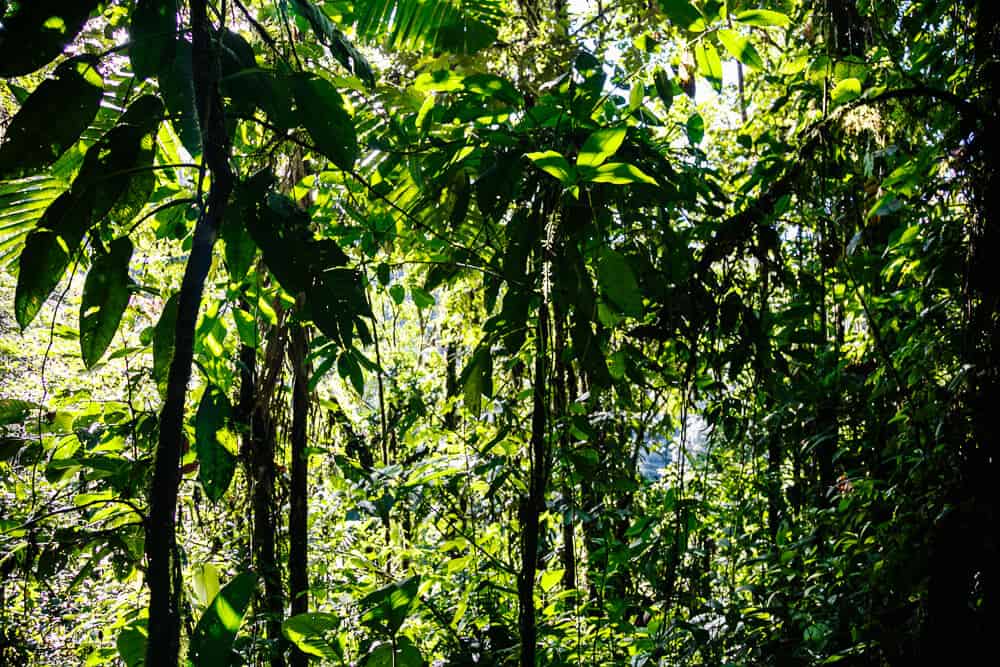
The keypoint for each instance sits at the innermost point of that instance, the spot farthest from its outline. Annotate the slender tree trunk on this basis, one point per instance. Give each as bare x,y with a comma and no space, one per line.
265,527
163,647
298,516
775,504
533,504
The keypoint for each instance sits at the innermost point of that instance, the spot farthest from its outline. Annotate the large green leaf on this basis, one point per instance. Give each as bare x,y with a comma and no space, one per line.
116,170
310,633
455,26
739,47
22,204
315,268
618,282
176,80
709,63
52,118
620,173
153,36
212,641
477,378
35,32
239,246
846,90
387,608
322,113
47,253
762,18
214,443
555,165
105,297
15,411
401,654
131,644
341,48
683,14
163,342
599,146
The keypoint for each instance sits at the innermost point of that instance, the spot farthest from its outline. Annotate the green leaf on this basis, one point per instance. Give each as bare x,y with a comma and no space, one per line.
212,641
341,48
328,123
163,342
214,443
205,581
739,47
116,169
695,128
131,645
618,282
246,327
36,32
240,249
845,91
683,14
334,295
492,86
636,95
309,633
709,64
477,378
348,367
762,18
550,578
384,654
599,146
176,80
620,173
664,87
421,298
454,26
15,411
47,253
153,36
105,297
52,118
554,164
398,293
387,608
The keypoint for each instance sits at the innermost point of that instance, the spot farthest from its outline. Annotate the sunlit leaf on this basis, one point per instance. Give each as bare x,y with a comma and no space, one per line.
554,164
762,18
739,47
310,632
709,63
212,640
52,118
105,297
599,146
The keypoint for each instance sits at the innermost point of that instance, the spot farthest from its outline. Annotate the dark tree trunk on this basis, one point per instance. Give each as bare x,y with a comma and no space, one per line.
533,504
298,517
775,500
163,647
265,527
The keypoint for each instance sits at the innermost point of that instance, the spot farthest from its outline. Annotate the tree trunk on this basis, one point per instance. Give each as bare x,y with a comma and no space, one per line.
298,516
163,647
533,504
265,527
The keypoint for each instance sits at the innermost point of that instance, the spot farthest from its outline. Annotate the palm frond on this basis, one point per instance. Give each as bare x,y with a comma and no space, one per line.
452,26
